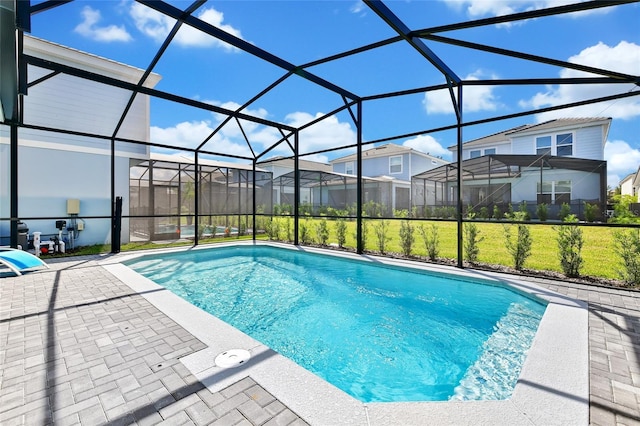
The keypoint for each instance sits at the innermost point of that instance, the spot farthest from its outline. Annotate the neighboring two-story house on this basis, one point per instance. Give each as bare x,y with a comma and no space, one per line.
386,172
393,163
56,167
554,162
630,184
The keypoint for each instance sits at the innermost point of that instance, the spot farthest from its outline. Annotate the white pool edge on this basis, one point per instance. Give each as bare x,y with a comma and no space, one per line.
553,387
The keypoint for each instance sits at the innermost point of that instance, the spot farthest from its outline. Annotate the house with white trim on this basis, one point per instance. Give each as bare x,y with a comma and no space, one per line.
554,162
55,167
393,163
630,184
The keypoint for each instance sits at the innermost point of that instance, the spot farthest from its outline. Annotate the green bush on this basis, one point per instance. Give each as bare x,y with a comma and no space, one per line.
622,212
305,234
322,232
570,241
272,228
288,231
565,211
365,231
471,213
381,231
627,246
520,249
305,209
472,242
497,215
373,209
590,211
341,231
542,211
431,240
406,237
484,213
523,213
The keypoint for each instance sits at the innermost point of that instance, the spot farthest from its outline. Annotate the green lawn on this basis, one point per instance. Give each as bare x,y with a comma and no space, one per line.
598,252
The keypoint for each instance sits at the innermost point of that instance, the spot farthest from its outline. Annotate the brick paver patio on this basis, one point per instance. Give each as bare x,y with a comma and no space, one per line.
77,346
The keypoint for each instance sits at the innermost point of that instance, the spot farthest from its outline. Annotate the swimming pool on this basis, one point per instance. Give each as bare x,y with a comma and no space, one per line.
379,333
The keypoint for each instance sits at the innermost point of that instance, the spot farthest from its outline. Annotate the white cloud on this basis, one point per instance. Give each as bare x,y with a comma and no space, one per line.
320,158
189,134
328,133
157,26
477,8
621,159
358,7
151,23
427,144
625,58
482,8
89,28
474,98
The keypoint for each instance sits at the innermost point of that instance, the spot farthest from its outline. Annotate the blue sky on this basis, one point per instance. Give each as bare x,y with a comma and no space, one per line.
198,67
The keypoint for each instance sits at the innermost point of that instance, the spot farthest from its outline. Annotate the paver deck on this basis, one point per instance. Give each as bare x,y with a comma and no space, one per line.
77,346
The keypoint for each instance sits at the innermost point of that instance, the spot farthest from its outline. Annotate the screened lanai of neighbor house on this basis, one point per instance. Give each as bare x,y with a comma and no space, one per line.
493,180
78,137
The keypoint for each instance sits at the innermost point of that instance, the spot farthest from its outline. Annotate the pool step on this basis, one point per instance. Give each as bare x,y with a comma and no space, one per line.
494,375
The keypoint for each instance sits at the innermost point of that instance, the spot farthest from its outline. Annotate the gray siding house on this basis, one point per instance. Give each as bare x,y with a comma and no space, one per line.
55,167
554,162
392,162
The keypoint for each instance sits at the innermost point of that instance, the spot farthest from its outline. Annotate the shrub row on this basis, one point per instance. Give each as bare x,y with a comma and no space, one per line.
518,240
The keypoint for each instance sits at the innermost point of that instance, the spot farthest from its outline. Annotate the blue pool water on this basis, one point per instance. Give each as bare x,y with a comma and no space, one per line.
377,332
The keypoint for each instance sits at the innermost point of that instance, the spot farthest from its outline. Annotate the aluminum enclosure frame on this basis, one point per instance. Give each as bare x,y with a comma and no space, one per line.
418,39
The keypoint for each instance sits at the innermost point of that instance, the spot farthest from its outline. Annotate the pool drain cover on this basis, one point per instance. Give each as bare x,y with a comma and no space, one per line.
232,358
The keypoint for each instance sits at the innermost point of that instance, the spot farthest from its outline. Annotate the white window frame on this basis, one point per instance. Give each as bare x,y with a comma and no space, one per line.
550,147
392,165
552,189
553,148
349,165
565,144
482,152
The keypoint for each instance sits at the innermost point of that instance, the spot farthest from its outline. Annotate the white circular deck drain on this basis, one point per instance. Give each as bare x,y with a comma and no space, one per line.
232,358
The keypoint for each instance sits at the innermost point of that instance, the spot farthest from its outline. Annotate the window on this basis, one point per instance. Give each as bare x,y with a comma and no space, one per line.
395,164
563,191
348,168
564,144
556,192
543,145
479,152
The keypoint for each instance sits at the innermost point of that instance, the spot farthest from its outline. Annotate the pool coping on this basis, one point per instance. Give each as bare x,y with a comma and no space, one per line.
553,387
